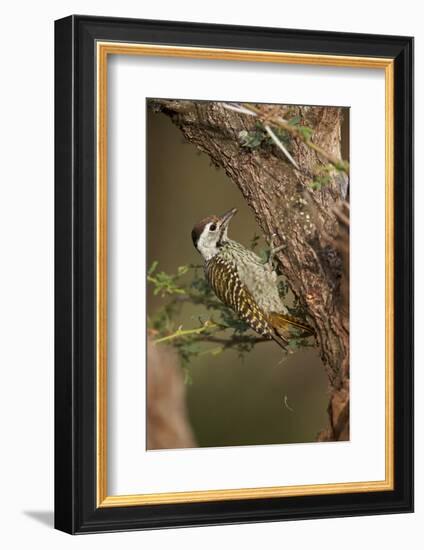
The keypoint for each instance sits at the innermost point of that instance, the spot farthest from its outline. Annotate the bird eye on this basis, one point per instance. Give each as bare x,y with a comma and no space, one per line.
212,227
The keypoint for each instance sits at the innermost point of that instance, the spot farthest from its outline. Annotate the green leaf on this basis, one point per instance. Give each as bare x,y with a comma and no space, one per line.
294,121
305,132
153,267
293,344
264,255
166,320
342,166
321,180
182,270
188,379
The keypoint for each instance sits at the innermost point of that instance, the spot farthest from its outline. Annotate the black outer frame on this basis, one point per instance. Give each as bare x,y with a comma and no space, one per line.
75,274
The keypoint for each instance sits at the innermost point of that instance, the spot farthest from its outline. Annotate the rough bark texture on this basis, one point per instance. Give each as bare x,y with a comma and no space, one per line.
315,258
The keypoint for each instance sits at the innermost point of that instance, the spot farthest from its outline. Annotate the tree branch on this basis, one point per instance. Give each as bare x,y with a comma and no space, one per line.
296,131
302,217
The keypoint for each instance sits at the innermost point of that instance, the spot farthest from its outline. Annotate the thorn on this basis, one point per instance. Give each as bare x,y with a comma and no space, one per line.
238,109
281,146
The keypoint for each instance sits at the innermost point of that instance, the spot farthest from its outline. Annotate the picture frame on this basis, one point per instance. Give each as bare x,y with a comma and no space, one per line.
83,45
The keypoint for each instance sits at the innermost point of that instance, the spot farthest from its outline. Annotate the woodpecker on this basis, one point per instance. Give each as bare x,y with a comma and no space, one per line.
243,282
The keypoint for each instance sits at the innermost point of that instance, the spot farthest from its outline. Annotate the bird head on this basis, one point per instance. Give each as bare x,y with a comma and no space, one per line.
211,233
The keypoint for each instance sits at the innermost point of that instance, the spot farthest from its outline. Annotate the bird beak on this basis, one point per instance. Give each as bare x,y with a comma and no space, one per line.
226,218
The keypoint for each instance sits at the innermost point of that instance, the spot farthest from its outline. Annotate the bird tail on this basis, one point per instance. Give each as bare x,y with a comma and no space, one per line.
287,326
281,341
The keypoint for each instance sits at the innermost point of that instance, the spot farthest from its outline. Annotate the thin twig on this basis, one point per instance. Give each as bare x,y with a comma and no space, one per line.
179,333
200,331
251,110
287,405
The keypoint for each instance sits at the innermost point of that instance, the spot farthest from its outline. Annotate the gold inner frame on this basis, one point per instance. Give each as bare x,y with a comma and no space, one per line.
104,49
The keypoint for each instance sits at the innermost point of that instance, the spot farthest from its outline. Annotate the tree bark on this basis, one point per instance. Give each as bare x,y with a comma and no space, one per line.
312,224
168,425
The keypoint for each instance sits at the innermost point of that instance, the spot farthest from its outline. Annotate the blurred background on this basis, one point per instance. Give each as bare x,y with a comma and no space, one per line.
265,397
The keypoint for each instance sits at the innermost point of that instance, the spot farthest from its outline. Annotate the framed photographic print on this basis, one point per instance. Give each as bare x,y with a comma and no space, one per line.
233,272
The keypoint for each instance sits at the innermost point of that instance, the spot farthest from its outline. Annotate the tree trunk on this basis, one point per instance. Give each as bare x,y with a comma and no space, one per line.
307,221
168,425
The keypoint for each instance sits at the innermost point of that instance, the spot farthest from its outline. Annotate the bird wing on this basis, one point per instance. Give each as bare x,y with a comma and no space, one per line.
227,285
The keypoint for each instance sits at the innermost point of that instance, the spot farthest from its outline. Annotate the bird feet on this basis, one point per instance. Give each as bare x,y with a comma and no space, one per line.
273,250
